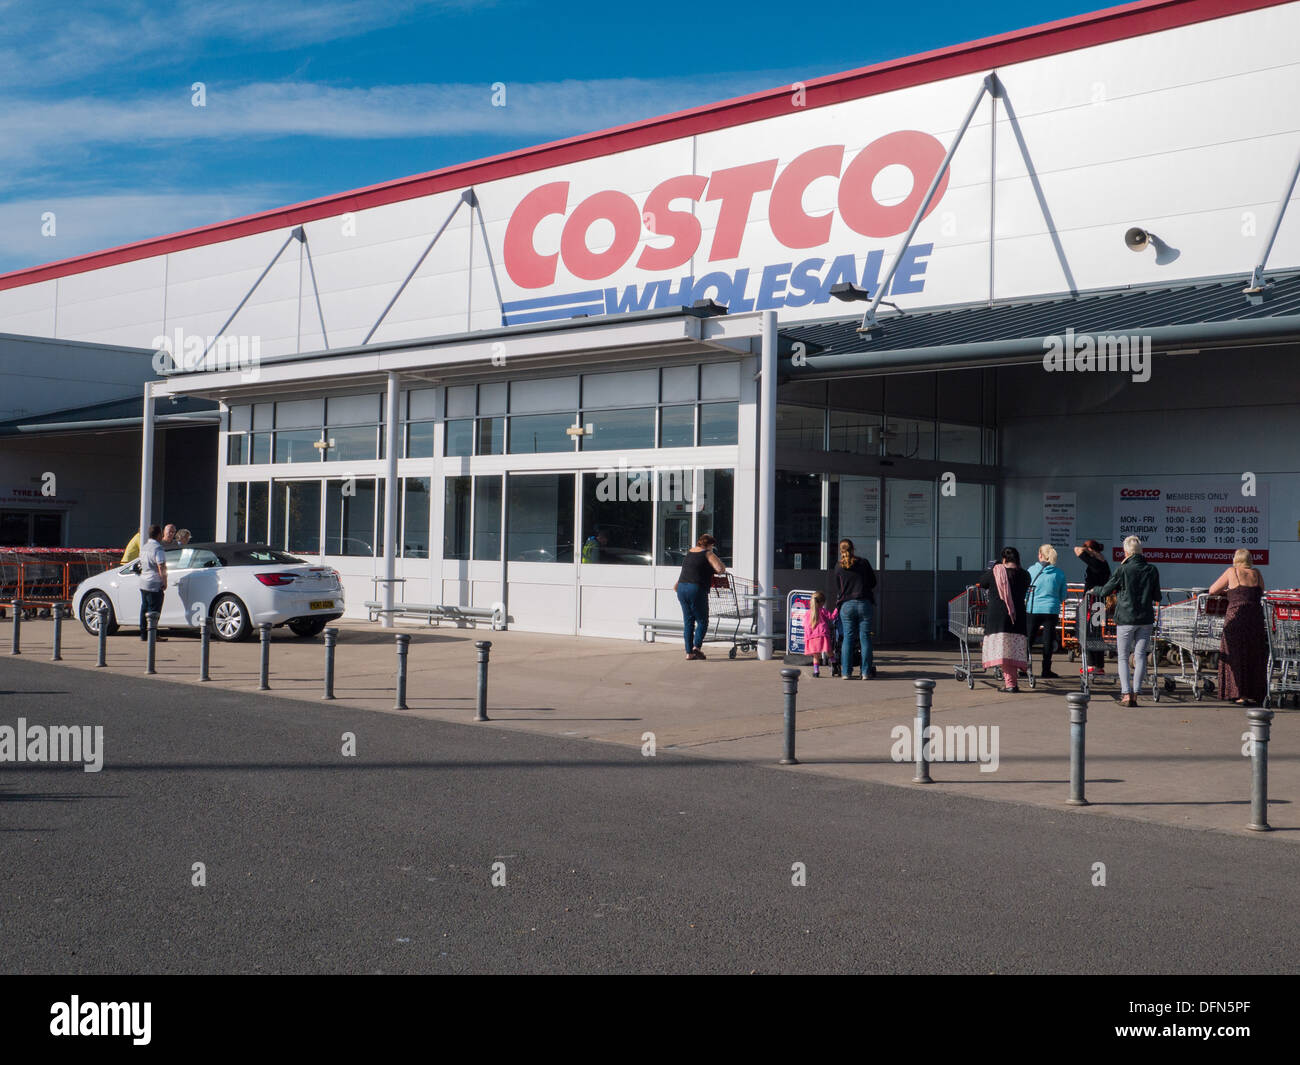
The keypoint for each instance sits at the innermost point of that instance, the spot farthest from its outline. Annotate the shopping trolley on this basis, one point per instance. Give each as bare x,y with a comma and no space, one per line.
966,613
733,613
1282,622
1193,629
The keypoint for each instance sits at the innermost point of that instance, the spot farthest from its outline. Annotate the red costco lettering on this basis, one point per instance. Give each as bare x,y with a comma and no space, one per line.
527,268
735,188
860,209
682,226
617,208
790,225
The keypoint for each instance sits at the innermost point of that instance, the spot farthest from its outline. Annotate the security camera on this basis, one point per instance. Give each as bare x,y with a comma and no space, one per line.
1136,239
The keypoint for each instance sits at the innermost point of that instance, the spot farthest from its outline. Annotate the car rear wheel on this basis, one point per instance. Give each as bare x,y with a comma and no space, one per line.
230,621
307,627
91,607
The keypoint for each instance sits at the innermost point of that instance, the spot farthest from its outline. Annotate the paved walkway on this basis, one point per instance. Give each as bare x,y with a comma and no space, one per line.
1178,762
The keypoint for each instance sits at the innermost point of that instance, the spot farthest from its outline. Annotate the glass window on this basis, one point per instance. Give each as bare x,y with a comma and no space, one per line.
455,518
353,444
797,538
855,515
714,497
297,445
961,528
353,410
419,440
295,517
492,398
491,436
619,430
552,394
261,447
718,423
421,404
458,437
236,511
677,427
802,428
675,503
720,381
300,414
680,384
415,517
259,499
960,443
909,524
909,438
351,523
241,417
619,389
617,518
536,433
540,518
460,401
487,519
237,449
858,434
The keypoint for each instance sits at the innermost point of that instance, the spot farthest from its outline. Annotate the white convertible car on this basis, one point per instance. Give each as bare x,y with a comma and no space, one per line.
239,586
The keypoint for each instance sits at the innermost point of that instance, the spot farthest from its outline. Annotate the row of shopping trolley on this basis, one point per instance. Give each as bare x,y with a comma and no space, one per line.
39,577
1186,638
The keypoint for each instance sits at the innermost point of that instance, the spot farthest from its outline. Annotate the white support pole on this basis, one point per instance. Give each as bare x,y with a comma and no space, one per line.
146,464
392,432
766,479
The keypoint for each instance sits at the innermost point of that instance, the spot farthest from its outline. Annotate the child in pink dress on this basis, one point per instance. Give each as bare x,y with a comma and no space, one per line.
817,637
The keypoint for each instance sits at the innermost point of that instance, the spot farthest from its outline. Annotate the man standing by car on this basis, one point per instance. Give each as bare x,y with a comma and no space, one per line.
153,578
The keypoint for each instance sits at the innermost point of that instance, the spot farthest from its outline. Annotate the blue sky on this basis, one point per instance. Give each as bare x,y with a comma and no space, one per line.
315,97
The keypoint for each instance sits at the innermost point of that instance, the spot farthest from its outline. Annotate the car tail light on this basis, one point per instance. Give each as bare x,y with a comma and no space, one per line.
275,580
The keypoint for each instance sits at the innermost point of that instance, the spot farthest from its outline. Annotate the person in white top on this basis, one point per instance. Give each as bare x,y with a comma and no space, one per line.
153,578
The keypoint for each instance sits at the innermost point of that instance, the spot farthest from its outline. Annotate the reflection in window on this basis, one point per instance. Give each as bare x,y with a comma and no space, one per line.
491,436
540,517
909,438
536,433
960,443
487,519
619,430
801,428
236,511
354,443
714,496
419,440
297,445
353,522
237,449
858,434
259,498
617,518
295,517
415,517
798,524
458,437
677,427
261,447
455,518
718,423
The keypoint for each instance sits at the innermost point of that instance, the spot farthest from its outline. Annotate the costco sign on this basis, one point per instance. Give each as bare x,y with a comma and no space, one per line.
669,210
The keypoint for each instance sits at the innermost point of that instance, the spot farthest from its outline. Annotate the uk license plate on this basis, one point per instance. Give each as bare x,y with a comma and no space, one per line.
322,604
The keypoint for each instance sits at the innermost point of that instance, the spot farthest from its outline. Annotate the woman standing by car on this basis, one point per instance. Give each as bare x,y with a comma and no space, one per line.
692,588
855,599
1005,645
1243,650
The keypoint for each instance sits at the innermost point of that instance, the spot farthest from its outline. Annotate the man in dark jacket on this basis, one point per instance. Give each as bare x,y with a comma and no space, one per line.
1138,584
1097,573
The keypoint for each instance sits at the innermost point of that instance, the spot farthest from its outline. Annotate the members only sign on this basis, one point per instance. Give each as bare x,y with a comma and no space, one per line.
1194,521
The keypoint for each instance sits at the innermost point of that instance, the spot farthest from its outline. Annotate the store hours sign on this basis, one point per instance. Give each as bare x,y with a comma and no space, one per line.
1193,521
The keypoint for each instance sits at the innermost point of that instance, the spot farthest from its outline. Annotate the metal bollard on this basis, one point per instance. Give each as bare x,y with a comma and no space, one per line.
264,670
924,701
1259,730
205,640
1078,765
789,692
16,649
331,637
57,655
152,641
102,660
484,649
403,647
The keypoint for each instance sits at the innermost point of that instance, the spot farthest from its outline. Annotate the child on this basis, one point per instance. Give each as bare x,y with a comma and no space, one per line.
817,640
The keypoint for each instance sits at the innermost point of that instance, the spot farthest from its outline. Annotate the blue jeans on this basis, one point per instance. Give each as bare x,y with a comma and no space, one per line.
148,601
856,615
695,613
1135,640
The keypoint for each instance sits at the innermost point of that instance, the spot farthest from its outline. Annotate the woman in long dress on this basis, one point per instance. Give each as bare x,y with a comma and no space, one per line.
1243,649
1006,644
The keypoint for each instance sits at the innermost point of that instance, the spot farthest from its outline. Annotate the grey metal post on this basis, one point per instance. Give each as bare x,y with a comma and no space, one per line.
102,660
789,691
151,642
205,640
484,649
331,637
16,648
924,700
403,647
57,655
264,670
1078,727
1259,732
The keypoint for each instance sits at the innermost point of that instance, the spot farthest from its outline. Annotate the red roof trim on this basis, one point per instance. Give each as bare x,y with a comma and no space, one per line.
1053,38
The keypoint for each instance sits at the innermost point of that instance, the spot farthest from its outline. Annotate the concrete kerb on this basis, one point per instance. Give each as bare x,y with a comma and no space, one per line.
1173,763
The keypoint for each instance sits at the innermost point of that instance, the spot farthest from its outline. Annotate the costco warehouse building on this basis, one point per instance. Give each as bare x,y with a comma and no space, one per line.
536,378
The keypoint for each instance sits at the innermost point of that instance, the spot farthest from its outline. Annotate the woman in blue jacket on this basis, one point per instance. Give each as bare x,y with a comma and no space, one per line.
1046,590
